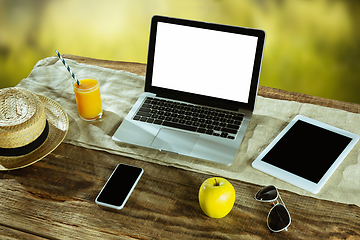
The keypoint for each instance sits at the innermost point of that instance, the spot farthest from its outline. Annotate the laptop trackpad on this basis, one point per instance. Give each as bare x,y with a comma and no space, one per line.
175,141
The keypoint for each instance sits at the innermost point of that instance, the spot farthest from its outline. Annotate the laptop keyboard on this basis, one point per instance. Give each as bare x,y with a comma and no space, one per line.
193,118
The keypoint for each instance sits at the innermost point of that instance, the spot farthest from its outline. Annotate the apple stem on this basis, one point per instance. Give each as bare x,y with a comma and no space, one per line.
216,183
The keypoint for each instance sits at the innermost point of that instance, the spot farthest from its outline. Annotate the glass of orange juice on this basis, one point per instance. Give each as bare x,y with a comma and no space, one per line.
88,98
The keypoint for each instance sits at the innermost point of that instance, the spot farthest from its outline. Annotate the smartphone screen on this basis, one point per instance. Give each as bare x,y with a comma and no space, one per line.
119,186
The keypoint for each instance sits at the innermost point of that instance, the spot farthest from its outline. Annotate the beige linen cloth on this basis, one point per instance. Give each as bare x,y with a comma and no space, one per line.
120,90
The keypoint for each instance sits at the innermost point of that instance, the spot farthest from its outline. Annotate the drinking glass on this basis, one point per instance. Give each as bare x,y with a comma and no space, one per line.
88,98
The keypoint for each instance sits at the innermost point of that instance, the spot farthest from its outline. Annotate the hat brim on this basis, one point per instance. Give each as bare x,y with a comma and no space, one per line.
58,128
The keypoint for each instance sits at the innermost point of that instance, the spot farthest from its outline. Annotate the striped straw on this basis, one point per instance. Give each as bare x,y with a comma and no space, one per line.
67,67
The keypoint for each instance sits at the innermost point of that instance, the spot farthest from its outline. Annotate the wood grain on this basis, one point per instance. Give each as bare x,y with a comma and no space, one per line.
54,199
138,68
269,92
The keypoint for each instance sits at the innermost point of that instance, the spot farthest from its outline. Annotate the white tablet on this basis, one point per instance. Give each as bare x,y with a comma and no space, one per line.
306,153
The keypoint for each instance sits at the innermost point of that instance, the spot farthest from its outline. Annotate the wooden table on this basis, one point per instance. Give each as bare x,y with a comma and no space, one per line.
54,198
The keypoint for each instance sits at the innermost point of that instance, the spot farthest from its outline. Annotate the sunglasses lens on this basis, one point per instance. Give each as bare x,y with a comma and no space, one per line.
278,218
266,194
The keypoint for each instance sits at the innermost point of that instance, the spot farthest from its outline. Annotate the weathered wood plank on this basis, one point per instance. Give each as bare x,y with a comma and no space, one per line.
55,198
9,233
137,68
140,68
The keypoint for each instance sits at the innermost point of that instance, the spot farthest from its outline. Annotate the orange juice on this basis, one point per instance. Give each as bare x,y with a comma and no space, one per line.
88,99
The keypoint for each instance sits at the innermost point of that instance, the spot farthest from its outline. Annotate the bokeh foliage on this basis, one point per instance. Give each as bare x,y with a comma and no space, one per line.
312,47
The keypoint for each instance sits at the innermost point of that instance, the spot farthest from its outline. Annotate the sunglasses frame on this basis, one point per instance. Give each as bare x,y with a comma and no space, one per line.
274,202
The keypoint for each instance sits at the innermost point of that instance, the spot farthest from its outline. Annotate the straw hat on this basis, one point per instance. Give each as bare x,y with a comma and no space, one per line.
31,127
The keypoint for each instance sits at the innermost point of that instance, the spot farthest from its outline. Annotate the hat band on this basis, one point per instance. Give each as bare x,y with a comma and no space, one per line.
19,151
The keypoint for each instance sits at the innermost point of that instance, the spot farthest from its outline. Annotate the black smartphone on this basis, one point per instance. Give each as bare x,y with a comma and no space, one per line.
119,186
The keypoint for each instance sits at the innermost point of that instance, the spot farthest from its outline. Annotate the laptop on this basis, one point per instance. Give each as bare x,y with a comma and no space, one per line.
200,89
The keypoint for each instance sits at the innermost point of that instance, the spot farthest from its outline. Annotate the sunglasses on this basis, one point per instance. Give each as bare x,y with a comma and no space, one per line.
278,218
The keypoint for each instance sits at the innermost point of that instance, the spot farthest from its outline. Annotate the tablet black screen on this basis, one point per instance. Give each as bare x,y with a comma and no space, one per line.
307,151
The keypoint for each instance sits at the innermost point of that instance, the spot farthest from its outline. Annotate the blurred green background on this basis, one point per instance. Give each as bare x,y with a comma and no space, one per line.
312,47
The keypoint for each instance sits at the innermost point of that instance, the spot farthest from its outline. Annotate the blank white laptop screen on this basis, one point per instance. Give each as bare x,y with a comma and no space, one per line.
189,58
